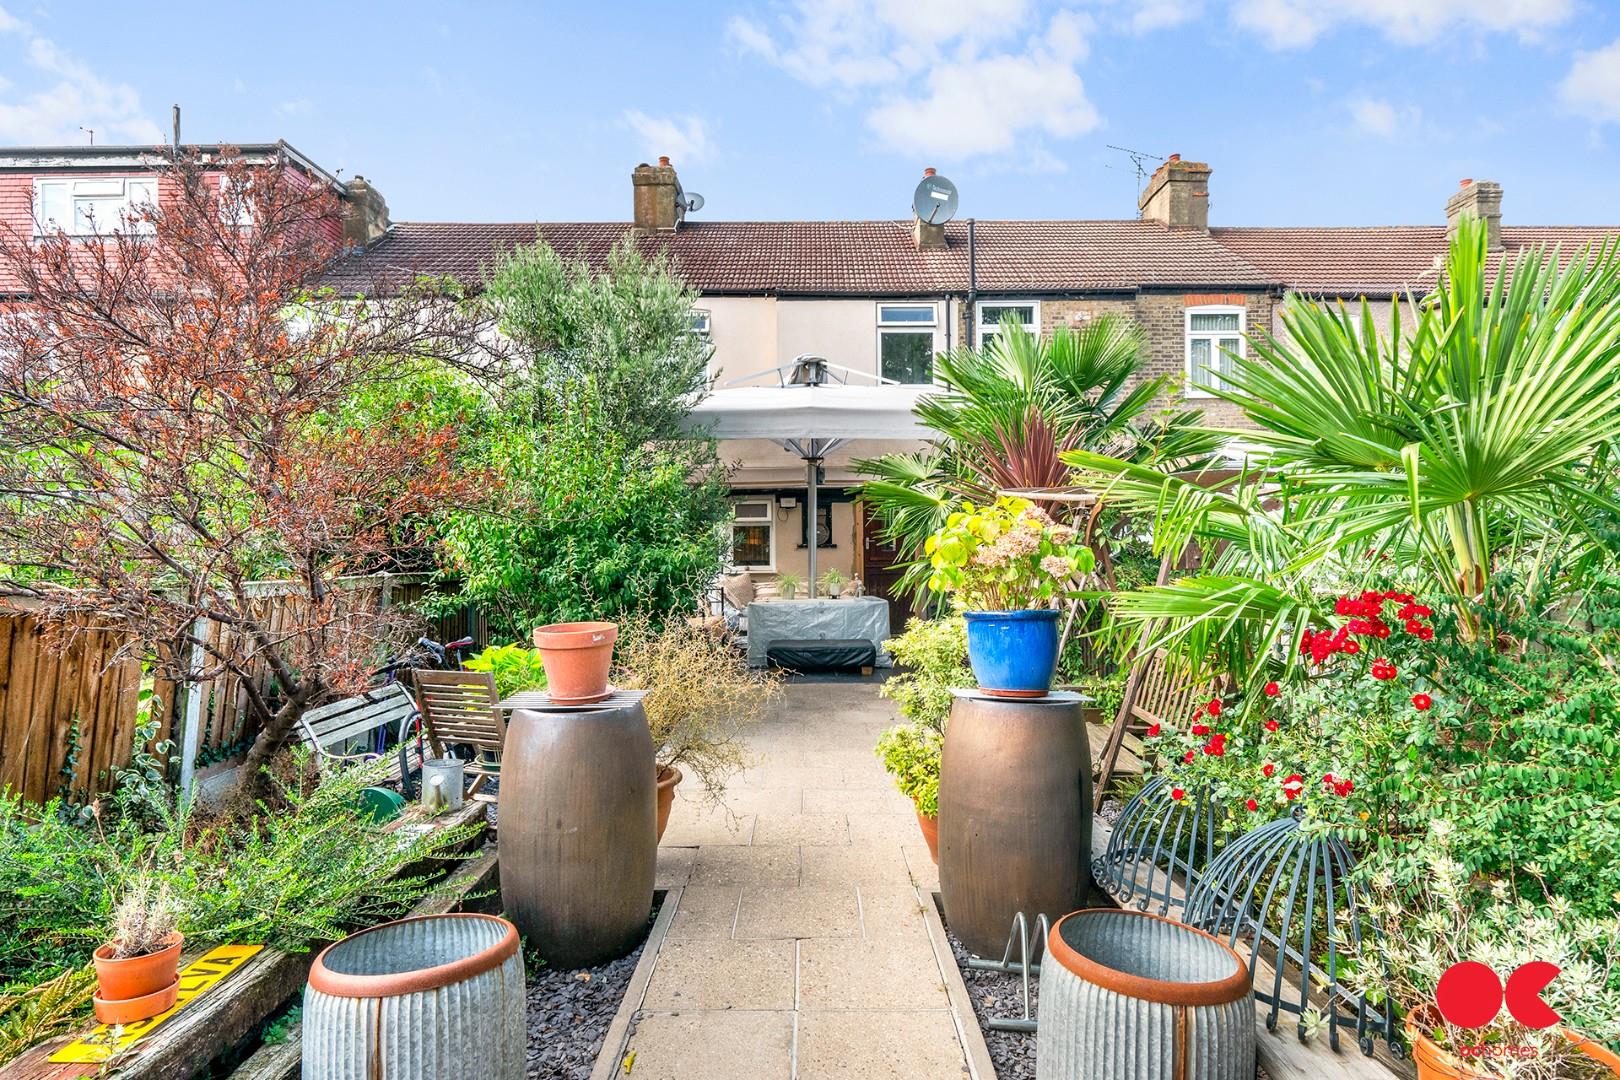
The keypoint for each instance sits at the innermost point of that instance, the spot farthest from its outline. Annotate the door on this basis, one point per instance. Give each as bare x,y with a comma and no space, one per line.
880,571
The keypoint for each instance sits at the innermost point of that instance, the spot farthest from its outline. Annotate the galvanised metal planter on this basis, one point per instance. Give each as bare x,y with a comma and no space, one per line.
1013,653
1014,814
435,998
1126,995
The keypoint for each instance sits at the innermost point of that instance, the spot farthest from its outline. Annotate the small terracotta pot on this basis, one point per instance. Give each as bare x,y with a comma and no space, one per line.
1433,1063
668,777
130,1010
138,976
577,657
930,831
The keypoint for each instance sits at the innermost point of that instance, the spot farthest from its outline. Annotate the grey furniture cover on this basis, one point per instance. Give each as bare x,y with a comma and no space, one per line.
796,620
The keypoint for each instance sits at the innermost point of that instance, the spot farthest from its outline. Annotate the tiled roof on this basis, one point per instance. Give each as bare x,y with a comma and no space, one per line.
1379,260
835,257
879,258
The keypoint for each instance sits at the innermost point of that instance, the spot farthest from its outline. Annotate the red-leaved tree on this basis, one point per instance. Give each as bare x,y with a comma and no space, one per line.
170,397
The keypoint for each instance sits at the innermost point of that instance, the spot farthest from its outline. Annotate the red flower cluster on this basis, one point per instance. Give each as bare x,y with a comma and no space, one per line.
1366,619
1216,746
1338,784
1383,669
1292,785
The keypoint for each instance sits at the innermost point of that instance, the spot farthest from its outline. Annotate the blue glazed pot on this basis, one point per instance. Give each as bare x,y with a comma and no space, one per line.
1013,653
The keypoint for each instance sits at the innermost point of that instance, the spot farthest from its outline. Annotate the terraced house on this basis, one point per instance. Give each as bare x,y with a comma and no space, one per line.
877,299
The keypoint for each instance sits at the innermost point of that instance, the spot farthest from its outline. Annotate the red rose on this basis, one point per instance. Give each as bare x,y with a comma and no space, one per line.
1422,701
1177,794
1413,626
1426,633
1268,768
1294,780
1381,631
1343,787
1382,669
1351,648
1189,758
1214,706
1252,805
1272,725
1289,793
1200,729
1272,689
1153,731
1218,749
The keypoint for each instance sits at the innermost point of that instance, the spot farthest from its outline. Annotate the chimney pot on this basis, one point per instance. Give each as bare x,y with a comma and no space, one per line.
1481,199
1177,195
663,161
1466,181
928,171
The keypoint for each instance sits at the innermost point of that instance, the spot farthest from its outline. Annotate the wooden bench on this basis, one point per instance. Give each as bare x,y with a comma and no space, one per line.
342,733
1153,695
458,709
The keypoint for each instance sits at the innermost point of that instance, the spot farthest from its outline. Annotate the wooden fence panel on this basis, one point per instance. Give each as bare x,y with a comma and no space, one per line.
42,691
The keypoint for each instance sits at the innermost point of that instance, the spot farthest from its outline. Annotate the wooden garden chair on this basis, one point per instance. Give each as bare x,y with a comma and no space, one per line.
458,709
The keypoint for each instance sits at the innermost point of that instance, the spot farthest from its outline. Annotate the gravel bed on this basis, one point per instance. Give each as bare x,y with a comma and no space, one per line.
569,1015
996,994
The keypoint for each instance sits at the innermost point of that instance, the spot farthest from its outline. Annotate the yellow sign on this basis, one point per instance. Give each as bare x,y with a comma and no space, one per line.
199,976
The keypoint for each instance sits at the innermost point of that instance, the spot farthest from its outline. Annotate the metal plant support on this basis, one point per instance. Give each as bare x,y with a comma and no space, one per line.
1029,949
1155,839
1289,893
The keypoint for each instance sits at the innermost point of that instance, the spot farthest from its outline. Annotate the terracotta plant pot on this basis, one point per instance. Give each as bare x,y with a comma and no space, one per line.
131,1010
1433,1063
137,987
930,831
668,777
138,976
577,657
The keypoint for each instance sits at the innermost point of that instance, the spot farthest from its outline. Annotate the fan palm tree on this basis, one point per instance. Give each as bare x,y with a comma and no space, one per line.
1007,411
1479,435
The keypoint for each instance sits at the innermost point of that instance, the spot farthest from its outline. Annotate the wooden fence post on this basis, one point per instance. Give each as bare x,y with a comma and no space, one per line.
191,713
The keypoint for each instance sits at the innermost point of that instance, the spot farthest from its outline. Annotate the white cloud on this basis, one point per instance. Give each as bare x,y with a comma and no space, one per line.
1285,24
296,107
683,139
1376,116
948,78
1592,87
70,96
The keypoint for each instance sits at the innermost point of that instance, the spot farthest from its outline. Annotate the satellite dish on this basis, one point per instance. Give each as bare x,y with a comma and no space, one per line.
934,202
694,203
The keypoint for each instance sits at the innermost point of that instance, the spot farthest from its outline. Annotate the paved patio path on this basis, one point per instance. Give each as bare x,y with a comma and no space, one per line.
798,949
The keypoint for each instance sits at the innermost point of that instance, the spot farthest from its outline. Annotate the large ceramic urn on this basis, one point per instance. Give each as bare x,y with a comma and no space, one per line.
1014,814
578,819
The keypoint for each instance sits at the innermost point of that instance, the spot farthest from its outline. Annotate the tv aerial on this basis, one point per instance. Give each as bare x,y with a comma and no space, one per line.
934,201
1142,163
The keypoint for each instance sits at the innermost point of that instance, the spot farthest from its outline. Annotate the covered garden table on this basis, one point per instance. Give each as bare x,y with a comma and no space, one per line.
865,618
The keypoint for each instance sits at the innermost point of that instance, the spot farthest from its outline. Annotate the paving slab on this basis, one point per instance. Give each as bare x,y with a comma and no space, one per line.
729,864
722,975
804,829
705,913
689,1045
884,973
827,866
799,913
849,1045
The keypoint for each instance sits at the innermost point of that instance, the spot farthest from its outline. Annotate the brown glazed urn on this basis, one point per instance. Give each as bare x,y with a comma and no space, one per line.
1014,814
578,831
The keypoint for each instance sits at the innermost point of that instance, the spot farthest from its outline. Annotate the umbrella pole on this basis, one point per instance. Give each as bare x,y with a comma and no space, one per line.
810,521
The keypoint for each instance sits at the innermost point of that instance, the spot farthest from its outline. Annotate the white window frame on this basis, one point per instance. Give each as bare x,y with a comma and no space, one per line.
1214,337
767,518
76,188
703,323
983,331
914,327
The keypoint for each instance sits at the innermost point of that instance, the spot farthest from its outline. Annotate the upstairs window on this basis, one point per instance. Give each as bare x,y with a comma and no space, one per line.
700,323
92,207
1214,337
906,342
991,315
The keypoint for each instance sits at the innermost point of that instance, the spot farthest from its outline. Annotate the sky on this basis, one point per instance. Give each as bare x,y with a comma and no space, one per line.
1310,111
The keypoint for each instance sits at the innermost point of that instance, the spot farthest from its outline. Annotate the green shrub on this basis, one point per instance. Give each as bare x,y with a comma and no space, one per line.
309,870
911,754
933,657
516,668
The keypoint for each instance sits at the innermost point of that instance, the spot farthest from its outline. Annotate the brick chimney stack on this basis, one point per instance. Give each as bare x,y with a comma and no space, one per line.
659,205
1483,199
367,217
1177,195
